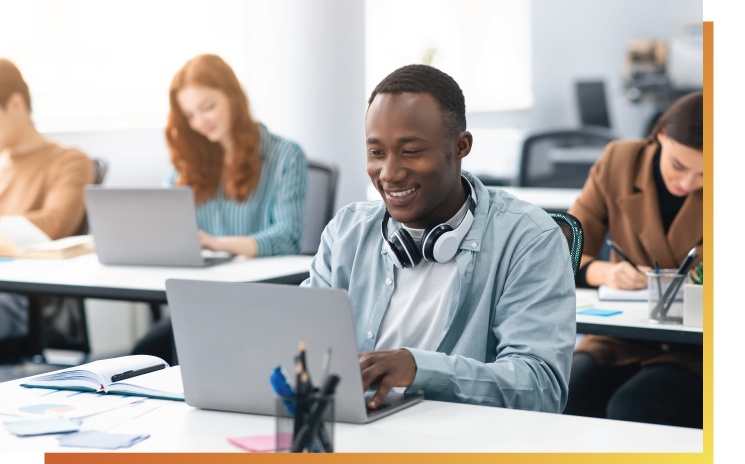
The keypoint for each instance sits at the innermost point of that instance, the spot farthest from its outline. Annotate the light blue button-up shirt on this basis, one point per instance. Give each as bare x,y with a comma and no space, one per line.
510,328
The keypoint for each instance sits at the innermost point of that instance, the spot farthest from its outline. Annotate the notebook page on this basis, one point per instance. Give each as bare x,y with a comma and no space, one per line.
167,382
21,232
606,293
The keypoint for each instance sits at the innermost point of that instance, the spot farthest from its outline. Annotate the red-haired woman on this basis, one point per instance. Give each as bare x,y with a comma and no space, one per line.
249,185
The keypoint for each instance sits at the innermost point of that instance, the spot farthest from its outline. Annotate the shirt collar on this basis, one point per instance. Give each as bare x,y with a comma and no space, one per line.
476,232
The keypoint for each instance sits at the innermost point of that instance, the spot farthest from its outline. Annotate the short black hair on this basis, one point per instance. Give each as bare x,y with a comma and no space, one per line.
420,78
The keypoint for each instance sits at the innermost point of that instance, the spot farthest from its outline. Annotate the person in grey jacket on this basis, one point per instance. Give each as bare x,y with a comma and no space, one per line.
459,292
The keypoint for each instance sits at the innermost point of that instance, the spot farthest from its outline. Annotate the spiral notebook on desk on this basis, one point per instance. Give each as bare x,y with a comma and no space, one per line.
116,376
606,293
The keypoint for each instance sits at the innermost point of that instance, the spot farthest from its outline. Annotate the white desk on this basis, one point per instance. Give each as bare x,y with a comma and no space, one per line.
431,426
546,198
633,322
85,277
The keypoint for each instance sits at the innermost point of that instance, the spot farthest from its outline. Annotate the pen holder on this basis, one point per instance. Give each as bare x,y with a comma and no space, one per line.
295,416
665,296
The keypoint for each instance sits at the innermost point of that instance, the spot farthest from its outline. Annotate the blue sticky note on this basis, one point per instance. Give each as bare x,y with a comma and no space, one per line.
27,428
101,440
599,312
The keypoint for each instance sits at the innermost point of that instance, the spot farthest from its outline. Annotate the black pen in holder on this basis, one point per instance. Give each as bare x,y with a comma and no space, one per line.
318,431
665,297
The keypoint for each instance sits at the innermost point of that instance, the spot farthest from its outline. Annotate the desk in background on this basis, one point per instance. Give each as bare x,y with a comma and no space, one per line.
546,198
633,322
431,426
85,277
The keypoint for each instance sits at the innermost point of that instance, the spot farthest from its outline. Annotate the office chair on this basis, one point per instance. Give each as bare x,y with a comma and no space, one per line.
562,158
319,204
572,230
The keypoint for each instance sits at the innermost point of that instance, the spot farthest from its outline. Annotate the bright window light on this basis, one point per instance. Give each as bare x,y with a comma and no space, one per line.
483,44
108,64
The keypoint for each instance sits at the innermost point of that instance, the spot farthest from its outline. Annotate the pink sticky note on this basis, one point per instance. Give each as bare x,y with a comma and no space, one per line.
260,443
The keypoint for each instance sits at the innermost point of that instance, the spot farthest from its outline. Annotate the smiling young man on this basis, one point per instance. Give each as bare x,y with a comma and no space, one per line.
460,292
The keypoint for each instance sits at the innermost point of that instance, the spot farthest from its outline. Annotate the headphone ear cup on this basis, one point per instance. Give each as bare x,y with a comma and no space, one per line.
406,249
430,238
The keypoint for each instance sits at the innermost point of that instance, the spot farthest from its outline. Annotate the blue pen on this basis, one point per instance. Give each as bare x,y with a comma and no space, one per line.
281,388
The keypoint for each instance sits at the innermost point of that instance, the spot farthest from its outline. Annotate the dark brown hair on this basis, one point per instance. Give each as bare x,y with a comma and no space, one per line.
11,81
199,161
684,122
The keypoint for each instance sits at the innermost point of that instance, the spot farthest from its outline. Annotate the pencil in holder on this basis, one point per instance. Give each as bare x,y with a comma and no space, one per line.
305,425
665,296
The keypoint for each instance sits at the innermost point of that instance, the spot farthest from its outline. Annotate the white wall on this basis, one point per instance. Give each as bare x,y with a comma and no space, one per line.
306,80
583,40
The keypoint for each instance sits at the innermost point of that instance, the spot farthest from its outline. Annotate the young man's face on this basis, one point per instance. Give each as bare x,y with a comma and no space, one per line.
412,161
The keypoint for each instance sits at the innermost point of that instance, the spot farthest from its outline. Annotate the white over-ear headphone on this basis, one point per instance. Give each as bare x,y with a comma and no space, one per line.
439,243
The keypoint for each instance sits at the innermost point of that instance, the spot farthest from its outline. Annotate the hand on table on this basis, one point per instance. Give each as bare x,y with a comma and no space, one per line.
623,276
386,369
207,241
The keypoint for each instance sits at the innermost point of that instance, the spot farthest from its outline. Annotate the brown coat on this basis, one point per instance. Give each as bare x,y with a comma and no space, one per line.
46,186
620,196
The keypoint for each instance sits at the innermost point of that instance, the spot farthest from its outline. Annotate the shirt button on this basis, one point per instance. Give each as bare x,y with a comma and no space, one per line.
388,281
370,335
474,244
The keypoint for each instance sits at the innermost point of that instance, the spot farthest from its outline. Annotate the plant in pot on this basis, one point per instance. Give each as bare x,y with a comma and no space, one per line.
693,298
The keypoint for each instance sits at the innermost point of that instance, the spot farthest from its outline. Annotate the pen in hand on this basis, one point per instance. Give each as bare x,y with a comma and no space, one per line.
623,256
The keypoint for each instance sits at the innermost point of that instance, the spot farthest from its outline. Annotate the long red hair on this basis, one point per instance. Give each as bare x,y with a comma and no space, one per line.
199,162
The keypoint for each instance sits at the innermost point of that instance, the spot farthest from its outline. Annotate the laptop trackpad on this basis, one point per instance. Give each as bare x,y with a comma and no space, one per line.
394,401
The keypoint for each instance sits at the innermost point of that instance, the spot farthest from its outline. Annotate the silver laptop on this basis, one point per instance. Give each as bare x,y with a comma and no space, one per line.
230,337
146,227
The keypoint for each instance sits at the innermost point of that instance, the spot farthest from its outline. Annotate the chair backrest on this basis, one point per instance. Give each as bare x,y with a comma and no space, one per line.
100,167
561,159
319,204
572,230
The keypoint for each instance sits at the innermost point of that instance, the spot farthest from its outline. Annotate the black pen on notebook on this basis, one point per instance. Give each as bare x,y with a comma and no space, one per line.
129,374
617,249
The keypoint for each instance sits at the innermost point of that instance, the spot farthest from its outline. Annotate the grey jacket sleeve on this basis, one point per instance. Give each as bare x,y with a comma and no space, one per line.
534,325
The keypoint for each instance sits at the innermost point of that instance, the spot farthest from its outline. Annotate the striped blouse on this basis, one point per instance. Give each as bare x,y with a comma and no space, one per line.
273,215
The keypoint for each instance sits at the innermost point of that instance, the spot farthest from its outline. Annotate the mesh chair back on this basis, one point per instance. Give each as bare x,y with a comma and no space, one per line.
319,205
561,159
572,230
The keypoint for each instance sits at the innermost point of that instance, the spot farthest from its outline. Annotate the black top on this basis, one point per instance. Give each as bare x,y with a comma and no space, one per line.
669,207
669,203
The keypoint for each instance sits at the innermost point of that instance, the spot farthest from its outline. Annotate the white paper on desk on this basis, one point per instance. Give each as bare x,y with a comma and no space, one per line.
606,293
61,244
40,403
21,232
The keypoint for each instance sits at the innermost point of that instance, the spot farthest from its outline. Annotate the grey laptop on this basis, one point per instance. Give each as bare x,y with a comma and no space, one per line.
146,227
230,337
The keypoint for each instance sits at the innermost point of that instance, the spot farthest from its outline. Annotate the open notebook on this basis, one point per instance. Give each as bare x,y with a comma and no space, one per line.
97,376
20,238
606,293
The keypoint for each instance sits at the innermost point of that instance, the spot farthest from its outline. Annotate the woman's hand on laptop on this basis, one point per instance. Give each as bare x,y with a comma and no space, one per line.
245,246
386,369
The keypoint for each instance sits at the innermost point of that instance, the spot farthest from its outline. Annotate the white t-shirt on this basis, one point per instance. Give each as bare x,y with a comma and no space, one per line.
416,313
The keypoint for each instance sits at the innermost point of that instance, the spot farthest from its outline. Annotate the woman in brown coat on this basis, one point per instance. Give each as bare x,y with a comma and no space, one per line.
649,195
